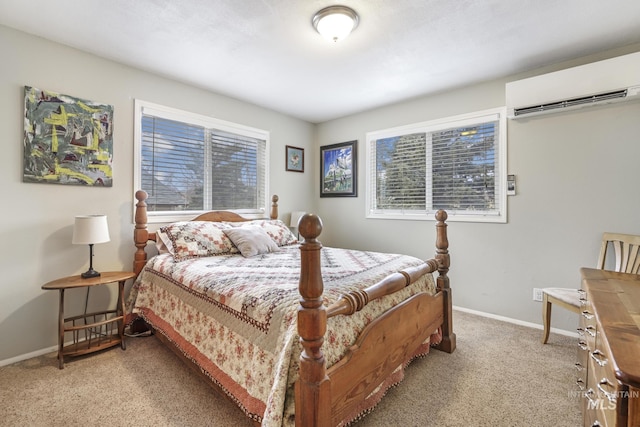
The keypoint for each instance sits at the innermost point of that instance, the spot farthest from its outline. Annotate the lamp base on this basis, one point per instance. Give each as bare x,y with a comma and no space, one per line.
89,274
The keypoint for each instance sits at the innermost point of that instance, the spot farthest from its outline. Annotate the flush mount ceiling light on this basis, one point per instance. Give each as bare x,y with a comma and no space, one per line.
335,23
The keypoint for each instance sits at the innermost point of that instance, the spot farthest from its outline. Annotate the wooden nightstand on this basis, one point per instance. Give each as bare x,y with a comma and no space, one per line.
91,331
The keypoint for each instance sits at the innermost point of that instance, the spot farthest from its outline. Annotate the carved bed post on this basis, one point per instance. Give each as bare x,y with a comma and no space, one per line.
313,399
140,233
274,207
448,343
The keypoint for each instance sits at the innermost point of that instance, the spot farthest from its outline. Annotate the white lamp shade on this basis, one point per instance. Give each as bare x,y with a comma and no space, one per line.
90,229
295,218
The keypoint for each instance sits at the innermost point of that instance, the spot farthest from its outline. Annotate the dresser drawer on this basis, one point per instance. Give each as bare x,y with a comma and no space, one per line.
588,328
587,332
593,418
604,404
581,367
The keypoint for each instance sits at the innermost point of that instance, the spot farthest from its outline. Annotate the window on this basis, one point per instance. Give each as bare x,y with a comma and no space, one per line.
457,164
188,163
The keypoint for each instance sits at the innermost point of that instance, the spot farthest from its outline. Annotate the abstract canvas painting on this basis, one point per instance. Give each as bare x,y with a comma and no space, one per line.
67,140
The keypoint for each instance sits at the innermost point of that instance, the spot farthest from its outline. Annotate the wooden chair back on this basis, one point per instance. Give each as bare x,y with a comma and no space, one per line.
626,249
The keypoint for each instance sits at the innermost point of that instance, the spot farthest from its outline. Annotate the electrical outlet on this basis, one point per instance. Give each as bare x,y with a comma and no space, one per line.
537,294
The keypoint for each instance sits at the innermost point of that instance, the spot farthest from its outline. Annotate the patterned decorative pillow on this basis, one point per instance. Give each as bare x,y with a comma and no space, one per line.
275,228
192,239
251,240
163,244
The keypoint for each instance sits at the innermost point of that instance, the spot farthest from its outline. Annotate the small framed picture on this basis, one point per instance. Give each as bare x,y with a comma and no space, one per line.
338,169
295,159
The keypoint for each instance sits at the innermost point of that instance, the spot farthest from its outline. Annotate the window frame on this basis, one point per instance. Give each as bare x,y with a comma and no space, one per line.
494,114
161,111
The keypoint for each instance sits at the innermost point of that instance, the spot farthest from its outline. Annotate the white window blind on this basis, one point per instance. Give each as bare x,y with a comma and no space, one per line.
189,163
457,164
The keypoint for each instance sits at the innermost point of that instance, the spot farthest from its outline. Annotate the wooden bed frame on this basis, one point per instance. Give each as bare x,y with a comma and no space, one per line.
324,397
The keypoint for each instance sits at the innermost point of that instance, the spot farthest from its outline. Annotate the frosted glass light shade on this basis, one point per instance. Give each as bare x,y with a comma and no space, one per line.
335,23
90,229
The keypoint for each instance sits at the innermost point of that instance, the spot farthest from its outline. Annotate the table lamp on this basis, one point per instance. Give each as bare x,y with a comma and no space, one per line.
88,230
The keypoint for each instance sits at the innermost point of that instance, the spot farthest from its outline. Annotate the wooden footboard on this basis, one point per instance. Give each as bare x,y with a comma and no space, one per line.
387,343
326,397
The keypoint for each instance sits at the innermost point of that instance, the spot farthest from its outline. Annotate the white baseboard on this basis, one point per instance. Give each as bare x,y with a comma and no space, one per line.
466,310
515,321
22,357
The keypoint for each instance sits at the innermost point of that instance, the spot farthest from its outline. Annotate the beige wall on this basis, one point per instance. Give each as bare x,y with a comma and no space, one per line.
576,175
37,219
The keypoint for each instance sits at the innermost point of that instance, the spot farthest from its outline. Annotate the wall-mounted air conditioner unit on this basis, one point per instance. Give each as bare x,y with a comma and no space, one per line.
612,80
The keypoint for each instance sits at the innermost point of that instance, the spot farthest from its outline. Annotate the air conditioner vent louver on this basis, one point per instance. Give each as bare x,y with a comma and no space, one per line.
570,103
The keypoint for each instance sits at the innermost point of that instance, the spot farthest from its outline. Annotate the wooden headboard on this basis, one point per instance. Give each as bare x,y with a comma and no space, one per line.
142,235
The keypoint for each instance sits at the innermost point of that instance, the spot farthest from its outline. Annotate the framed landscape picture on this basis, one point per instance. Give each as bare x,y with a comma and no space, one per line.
295,159
338,170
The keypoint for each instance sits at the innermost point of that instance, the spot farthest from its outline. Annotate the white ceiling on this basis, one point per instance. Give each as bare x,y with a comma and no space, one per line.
266,52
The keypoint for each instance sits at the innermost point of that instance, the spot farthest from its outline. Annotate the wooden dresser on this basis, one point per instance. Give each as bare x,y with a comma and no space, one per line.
609,348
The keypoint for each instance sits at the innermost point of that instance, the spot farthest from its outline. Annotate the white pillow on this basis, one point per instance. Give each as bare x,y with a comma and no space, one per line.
251,240
275,228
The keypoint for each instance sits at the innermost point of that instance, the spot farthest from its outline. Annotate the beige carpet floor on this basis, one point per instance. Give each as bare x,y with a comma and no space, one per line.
500,375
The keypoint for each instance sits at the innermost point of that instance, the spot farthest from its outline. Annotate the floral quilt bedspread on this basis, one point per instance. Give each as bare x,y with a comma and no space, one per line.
236,317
